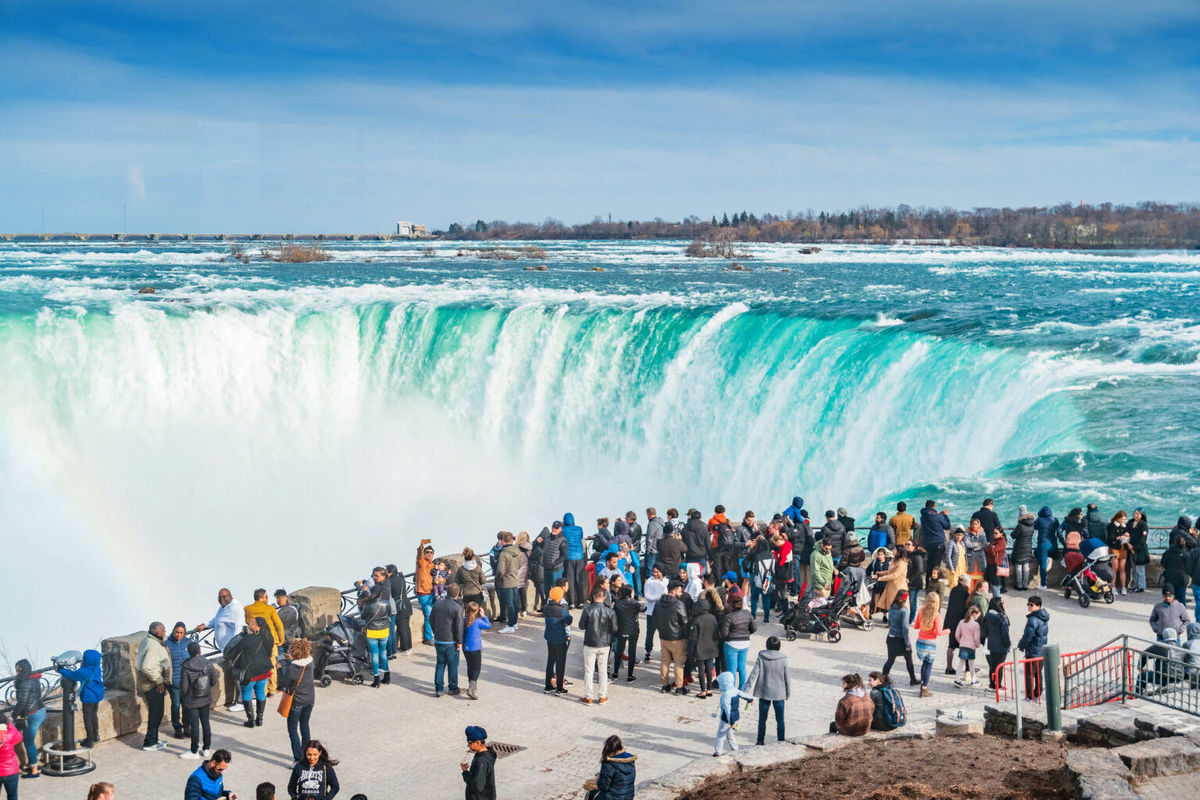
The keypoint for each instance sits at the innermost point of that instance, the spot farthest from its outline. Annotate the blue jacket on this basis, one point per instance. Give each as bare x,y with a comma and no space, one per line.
934,527
881,536
1037,629
472,636
574,536
1046,526
794,512
898,623
602,540
202,786
179,654
558,622
89,676
617,778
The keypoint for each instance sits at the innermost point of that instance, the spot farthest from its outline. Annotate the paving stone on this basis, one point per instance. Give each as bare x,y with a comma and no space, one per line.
1095,761
1098,787
1171,756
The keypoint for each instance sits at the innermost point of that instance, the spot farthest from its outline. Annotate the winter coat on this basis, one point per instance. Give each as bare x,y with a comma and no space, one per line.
737,626
835,533
473,633
28,692
376,606
956,607
635,536
153,663
953,551
1113,536
599,625
702,641
1183,530
654,533
617,778
299,680
822,570
1047,527
847,522
976,541
9,765
1175,566
508,568
802,539
179,654
994,632
628,610
261,609
967,634
319,782
204,785
252,655
881,535
1174,616
902,523
574,536
898,623
795,512
88,676
558,623
192,678
554,552
994,553
695,538
670,553
989,521
446,620
916,569
896,579
1037,630
621,533
289,615
769,677
469,576
934,527
1139,539
1193,566
1096,524
853,714
670,618
602,539
1023,535
480,778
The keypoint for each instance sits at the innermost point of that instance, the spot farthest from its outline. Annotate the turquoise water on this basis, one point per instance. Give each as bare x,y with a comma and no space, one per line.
353,406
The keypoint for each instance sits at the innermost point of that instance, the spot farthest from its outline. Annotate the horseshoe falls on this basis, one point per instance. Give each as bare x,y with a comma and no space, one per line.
269,424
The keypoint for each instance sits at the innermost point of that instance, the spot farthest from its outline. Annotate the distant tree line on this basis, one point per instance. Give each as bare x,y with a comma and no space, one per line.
1143,225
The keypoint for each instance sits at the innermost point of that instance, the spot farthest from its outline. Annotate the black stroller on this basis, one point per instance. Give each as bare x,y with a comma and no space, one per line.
342,646
820,620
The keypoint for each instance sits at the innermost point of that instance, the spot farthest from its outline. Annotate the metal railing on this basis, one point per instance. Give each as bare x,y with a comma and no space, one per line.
50,681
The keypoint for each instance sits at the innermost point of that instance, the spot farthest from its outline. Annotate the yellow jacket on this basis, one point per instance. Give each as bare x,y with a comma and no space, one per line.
267,612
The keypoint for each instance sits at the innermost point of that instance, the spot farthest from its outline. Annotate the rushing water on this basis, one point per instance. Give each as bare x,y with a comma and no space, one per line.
264,424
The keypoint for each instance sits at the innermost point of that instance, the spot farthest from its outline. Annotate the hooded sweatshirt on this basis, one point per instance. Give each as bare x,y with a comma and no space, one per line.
88,677
795,512
730,694
1193,644
481,777
1046,526
694,585
574,537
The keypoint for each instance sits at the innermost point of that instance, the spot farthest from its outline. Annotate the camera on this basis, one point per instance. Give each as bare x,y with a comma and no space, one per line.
67,659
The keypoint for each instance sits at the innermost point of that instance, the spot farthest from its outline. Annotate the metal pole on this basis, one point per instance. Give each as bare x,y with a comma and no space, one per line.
1050,662
1016,682
1125,671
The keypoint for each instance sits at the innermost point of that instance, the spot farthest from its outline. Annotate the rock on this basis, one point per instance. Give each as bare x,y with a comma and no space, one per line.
538,268
958,722
1053,736
1176,755
740,268
1094,761
597,269
318,606
1099,787
146,290
119,663
118,714
692,774
778,753
825,742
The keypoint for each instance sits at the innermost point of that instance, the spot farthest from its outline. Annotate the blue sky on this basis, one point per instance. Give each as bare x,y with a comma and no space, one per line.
222,116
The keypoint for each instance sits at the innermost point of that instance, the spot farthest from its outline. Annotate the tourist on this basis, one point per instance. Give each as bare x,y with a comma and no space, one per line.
795,512
618,775
989,520
1033,641
423,587
1175,567
822,569
266,791
1193,646
628,610
507,576
599,625
10,767
377,614
558,638
939,584
576,564
929,627
480,773
1139,543
855,710
630,567
253,656
1048,538
208,781
761,568
197,678
993,633
153,674
656,587
897,637
902,523
670,620
955,562
475,621
1095,522
917,558
400,631
1170,613
856,578
702,641
980,598
996,555
934,527
724,542
654,534
735,633
1183,531
442,578
893,582
887,706
1073,524
89,680
446,618
696,538
261,609
847,521
1193,571
746,531
313,777
804,541
833,532
1117,538
470,579
97,791
967,634
671,553
298,682
976,539
289,615
635,532
770,683
554,556
226,622
177,648
728,712
601,540
530,571
881,534
1023,536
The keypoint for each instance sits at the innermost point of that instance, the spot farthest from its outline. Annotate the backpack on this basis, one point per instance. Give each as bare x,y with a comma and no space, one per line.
724,534
893,710
201,686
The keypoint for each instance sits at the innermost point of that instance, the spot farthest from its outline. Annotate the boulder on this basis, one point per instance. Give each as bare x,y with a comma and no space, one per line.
118,714
119,665
692,774
1100,787
318,607
1176,755
778,753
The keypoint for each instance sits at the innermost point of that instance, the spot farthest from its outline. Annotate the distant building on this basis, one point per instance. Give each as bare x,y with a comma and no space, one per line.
410,229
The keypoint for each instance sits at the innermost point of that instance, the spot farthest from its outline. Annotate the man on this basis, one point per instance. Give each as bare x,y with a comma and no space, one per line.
153,675
554,557
1033,641
599,625
988,519
655,590
823,569
260,608
934,527
226,622
695,539
917,559
671,551
1193,571
446,618
480,774
770,683
610,567
576,572
1097,525
289,615
208,781
1175,563
670,620
902,523
833,532
508,574
401,638
635,532
1170,613
1184,532
264,791
724,541
654,534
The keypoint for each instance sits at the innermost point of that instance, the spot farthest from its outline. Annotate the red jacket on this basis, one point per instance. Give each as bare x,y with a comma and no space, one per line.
712,527
8,759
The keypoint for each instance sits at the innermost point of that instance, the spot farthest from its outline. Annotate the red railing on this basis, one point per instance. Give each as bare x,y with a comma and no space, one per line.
1087,678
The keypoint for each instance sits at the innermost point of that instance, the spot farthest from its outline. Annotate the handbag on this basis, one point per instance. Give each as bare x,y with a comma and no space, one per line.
285,701
1002,568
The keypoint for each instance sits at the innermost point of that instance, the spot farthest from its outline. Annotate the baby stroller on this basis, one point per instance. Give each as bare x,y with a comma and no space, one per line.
860,596
1085,576
343,646
822,619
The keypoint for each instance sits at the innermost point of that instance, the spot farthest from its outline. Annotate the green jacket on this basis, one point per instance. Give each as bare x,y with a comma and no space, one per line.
508,568
153,663
822,570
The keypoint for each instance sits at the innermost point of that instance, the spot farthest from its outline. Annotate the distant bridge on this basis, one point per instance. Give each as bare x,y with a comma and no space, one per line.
163,238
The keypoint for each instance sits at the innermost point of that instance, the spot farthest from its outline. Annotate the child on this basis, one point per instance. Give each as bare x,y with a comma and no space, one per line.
967,635
479,774
474,622
728,712
441,576
632,568
937,585
91,692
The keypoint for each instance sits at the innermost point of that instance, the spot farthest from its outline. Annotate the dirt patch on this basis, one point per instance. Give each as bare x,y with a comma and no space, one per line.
962,768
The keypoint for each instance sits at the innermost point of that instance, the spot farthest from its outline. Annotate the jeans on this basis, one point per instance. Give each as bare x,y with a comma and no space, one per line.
91,722
595,658
550,577
509,605
556,664
154,715
897,647
577,579
912,603
1196,594
735,662
391,640
755,594
178,718
764,707
198,720
648,564
1043,557
447,662
256,689
937,553
1139,577
628,646
298,732
10,784
995,679
1021,575
651,628
33,724
426,601
377,655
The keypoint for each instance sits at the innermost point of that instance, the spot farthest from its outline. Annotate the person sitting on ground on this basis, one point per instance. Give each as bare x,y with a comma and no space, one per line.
618,774
889,713
480,773
313,777
855,710
208,781
771,685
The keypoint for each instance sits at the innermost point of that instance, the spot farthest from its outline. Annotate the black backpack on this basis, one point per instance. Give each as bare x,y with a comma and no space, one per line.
724,534
201,686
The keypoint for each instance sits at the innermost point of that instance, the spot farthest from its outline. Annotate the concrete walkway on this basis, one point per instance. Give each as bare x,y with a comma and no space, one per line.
399,741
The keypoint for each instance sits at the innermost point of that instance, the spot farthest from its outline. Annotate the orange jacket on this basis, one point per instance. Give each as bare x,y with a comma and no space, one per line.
423,577
712,526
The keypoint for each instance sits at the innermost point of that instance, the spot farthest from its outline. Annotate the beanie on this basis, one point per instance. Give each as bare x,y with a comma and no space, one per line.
476,734
556,594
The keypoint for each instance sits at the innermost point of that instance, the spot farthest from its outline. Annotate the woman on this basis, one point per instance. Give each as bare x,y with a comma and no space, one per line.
955,560
883,695
976,540
470,578
30,710
298,682
1024,536
558,638
313,778
702,642
782,549
929,627
877,568
855,710
897,637
1074,529
1118,538
101,791
956,610
376,616
1049,536
762,567
475,621
617,776
253,659
10,768
527,573
736,628
423,586
628,610
1139,545
895,580
996,555
993,634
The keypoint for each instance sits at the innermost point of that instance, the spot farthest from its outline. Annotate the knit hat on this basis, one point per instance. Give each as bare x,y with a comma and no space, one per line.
1168,589
841,511
730,576
476,734
1022,510
829,515
556,594
1169,634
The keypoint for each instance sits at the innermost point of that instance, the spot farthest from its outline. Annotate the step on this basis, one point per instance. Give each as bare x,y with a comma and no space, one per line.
1175,755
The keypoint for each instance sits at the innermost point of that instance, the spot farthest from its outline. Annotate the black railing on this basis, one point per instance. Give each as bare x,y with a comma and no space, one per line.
50,680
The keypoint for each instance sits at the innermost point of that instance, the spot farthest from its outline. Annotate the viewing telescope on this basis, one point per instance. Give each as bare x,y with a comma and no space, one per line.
62,758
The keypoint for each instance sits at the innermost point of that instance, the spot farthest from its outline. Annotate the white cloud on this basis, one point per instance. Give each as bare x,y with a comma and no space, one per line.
137,182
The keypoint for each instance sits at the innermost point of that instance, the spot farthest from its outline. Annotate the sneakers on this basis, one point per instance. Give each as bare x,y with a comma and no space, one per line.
236,707
666,689
631,679
548,690
950,671
587,701
206,753
914,681
602,701
509,629
959,684
682,690
188,755
154,746
561,691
